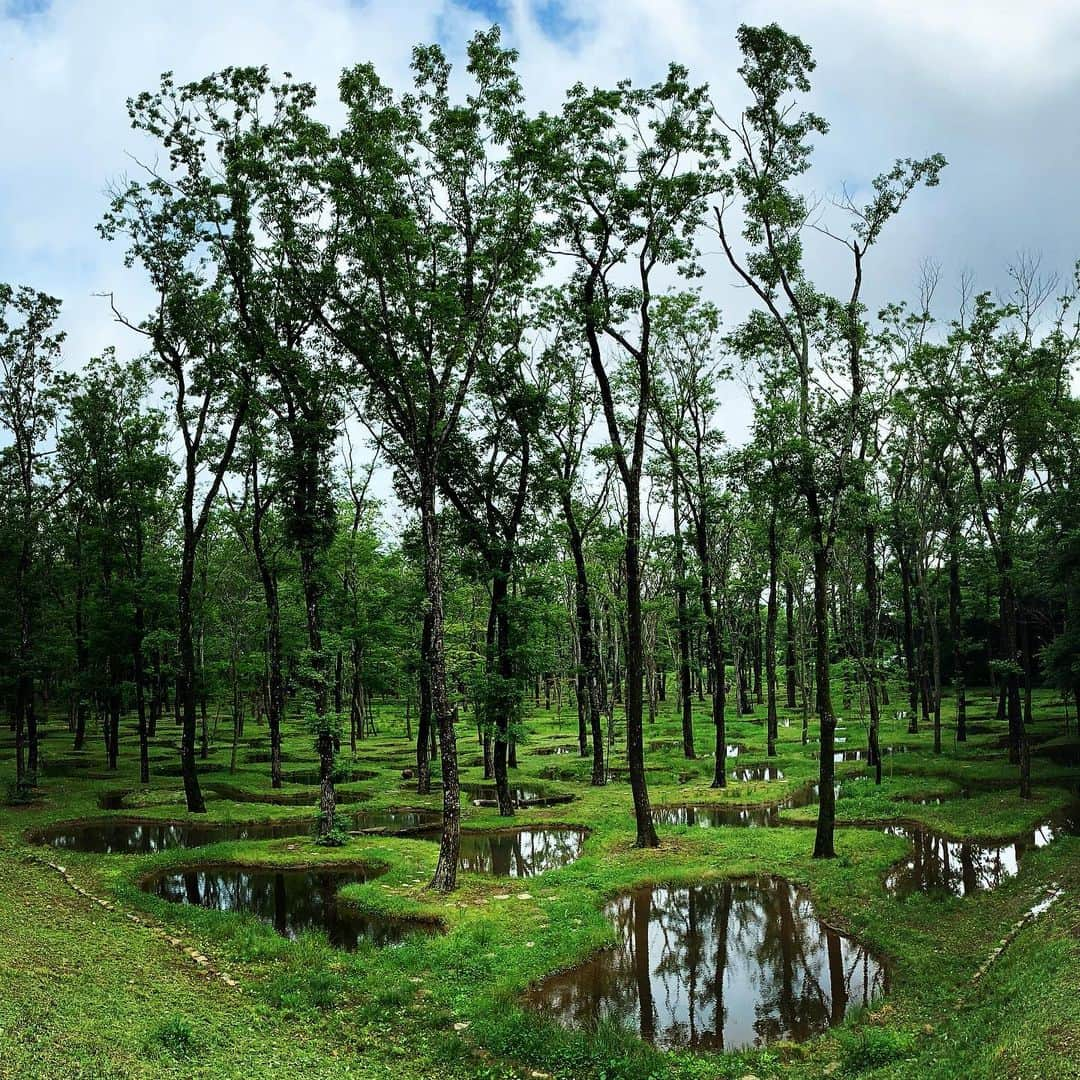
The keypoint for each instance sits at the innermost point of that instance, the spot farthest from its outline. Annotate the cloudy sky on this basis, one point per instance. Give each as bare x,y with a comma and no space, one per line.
992,84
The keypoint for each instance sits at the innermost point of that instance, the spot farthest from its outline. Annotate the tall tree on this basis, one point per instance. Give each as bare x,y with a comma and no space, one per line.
633,170
812,335
29,352
434,239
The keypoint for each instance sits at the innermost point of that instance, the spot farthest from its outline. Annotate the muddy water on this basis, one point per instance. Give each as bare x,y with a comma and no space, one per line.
713,815
722,966
750,773
393,820
342,775
145,837
709,817
232,793
293,902
959,867
518,852
485,794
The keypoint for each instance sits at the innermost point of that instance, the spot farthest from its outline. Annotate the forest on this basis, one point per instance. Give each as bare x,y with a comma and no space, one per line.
401,545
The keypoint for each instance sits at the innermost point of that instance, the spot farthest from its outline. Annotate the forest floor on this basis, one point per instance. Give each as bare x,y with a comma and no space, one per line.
111,988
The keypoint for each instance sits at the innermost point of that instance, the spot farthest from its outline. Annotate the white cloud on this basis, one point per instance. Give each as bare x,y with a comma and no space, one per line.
993,84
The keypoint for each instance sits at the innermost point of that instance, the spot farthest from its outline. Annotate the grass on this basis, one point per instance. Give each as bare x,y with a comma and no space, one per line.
88,993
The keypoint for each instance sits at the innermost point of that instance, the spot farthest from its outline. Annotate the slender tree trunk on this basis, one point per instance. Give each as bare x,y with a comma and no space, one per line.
275,681
635,748
499,598
771,615
683,617
445,878
910,661
870,643
82,652
789,644
823,840
424,726
587,644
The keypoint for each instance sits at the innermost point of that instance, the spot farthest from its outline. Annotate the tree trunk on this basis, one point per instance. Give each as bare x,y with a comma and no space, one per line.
823,840
683,617
445,878
771,615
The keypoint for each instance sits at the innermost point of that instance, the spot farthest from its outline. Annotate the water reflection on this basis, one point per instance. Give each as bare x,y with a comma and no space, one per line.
518,852
712,815
708,817
145,837
291,901
756,772
960,867
721,967
396,819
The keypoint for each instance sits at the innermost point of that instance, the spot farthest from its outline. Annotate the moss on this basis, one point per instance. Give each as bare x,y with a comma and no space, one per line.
88,993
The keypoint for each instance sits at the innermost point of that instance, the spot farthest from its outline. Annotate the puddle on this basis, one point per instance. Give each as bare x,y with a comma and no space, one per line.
518,852
961,867
396,820
173,768
722,966
750,773
708,817
293,902
862,755
485,795
145,837
712,815
342,775
277,798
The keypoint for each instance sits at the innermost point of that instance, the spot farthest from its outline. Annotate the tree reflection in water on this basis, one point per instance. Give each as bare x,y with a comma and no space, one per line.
721,966
519,852
293,902
959,867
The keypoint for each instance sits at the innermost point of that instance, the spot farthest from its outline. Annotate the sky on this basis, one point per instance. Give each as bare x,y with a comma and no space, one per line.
994,85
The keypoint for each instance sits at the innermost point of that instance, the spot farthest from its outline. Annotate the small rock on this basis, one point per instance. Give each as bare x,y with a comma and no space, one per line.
461,1025
524,896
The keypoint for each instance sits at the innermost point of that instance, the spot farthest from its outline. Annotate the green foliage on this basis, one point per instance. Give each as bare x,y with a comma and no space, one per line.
872,1047
177,1037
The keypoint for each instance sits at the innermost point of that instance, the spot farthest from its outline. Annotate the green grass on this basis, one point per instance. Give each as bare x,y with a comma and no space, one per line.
88,993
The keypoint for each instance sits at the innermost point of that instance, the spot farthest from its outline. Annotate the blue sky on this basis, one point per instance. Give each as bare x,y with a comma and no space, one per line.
993,85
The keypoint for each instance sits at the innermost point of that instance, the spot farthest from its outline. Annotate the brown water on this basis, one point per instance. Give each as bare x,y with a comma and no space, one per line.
518,852
393,820
485,793
721,966
232,793
145,837
714,815
342,775
293,902
960,867
750,773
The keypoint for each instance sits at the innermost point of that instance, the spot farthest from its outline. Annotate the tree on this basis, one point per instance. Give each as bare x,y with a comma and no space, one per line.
29,352
1000,383
434,240
811,334
632,170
